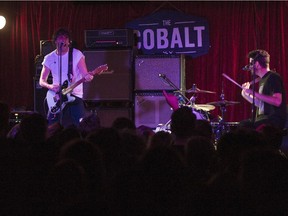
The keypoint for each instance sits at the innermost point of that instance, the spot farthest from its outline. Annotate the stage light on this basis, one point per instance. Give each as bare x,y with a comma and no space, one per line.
2,22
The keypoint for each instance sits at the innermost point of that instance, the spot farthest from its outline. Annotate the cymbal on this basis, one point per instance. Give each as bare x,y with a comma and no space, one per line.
204,107
197,90
223,103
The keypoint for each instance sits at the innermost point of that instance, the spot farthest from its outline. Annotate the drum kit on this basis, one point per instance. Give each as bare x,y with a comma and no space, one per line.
202,111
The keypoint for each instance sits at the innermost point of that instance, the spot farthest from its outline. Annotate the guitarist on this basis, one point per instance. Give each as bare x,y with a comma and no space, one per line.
75,110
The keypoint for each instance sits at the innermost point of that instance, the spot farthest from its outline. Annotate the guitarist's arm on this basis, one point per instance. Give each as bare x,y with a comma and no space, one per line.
43,80
83,69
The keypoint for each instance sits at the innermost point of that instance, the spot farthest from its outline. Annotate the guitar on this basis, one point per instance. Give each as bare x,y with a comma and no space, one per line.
55,104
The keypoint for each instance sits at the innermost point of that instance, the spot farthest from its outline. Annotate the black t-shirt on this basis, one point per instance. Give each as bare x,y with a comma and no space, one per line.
272,83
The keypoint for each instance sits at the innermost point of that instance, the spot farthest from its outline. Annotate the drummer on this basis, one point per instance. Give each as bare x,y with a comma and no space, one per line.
270,99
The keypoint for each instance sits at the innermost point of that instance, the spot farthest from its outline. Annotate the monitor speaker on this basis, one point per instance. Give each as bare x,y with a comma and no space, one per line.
116,83
151,109
159,72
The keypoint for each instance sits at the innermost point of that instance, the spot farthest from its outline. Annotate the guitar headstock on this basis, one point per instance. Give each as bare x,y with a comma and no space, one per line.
99,70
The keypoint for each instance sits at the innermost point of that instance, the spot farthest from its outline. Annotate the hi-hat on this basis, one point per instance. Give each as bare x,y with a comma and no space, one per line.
223,103
197,90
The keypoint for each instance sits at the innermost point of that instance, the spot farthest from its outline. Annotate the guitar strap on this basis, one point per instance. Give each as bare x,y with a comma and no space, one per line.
70,64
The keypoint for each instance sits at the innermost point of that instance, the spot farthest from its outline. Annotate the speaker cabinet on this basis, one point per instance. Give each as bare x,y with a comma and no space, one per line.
149,68
108,111
107,116
151,109
46,46
116,84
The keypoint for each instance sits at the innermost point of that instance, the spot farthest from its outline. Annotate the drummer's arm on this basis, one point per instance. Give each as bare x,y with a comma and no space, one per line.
249,97
275,99
247,94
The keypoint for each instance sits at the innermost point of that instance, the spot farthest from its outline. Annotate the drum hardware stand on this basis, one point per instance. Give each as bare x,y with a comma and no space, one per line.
193,98
164,127
222,127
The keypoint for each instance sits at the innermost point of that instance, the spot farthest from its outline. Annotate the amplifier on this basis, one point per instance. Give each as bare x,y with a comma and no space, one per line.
109,38
151,109
159,72
46,46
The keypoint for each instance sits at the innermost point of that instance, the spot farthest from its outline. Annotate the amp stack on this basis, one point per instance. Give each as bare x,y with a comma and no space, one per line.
40,104
153,74
110,94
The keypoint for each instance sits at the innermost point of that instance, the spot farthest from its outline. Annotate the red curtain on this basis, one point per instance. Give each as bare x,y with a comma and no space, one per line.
236,27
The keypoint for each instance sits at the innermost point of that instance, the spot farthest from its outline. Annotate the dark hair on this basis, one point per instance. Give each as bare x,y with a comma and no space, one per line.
261,56
183,122
60,32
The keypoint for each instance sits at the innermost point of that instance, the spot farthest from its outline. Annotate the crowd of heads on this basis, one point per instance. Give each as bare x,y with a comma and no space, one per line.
129,170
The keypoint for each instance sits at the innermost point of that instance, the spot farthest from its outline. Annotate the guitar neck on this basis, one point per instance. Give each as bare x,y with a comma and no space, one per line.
74,85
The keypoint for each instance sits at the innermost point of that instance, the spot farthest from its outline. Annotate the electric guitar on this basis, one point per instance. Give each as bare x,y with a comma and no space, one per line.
55,104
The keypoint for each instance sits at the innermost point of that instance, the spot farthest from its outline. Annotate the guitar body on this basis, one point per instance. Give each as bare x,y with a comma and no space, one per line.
53,98
53,101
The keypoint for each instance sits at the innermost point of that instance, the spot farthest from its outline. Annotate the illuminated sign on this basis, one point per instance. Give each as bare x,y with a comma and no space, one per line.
171,32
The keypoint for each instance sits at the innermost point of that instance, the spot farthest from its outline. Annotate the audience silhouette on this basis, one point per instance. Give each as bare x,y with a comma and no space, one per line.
129,170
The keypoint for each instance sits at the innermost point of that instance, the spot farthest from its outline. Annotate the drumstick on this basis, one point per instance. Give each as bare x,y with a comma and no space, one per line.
255,81
226,76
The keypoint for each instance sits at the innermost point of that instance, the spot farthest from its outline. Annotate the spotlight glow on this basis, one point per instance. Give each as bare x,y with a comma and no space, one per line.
2,22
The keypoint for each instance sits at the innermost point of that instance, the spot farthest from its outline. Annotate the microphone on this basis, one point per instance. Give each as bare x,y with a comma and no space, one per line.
247,67
61,44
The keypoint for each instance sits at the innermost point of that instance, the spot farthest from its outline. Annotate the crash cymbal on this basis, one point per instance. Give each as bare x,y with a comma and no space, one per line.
223,103
204,107
197,90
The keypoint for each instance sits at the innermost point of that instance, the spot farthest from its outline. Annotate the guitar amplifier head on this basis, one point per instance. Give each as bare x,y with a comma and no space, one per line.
109,38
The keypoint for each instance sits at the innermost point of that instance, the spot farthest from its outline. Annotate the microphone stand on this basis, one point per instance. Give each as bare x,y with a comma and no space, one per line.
60,80
253,98
172,85
167,80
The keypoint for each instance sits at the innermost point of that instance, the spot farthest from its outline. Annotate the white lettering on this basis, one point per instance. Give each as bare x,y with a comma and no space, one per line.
199,35
138,34
166,22
162,38
148,34
187,38
176,39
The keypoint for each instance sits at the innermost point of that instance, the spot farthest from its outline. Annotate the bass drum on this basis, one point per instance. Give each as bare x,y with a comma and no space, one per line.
201,114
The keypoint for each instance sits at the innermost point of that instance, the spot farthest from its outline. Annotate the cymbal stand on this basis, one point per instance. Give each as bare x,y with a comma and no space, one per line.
192,100
221,128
